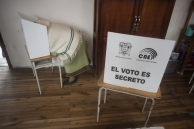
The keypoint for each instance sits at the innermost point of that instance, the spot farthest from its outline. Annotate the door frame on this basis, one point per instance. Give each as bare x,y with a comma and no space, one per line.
3,47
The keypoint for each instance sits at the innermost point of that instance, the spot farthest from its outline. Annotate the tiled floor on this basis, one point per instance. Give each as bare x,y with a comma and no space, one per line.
3,61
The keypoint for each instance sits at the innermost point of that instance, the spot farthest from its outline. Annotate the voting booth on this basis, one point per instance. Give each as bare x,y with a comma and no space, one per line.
35,36
36,39
134,66
136,62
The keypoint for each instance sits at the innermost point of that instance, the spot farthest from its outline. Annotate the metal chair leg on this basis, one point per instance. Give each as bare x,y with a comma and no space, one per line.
36,77
105,92
148,116
144,104
33,68
98,110
191,89
52,65
52,69
59,63
191,78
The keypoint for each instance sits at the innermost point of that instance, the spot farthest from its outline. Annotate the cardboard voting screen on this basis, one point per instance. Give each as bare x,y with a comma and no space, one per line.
36,37
136,62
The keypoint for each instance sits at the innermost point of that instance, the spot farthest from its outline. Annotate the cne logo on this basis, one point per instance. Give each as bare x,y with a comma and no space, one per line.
125,48
147,53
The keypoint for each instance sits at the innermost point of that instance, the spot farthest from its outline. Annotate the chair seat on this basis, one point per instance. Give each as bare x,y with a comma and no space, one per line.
44,63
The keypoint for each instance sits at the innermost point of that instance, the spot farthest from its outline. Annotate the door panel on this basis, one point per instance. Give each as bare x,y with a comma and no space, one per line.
153,15
115,16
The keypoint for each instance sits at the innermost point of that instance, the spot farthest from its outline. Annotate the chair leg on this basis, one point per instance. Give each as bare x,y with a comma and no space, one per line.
36,77
150,111
105,92
191,78
33,68
144,104
59,63
52,64
98,109
191,89
52,68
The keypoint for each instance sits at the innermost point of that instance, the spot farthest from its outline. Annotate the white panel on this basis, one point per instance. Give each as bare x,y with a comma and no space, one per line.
36,39
136,62
27,17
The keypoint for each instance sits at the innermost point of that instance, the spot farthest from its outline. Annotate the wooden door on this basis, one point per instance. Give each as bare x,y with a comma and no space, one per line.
154,17
114,16
119,16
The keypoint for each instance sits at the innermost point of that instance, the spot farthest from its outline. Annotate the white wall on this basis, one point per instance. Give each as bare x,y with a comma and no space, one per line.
192,19
75,13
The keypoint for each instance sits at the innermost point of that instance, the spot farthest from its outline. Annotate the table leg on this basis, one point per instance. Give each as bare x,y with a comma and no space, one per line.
52,69
144,104
191,78
36,77
191,89
59,63
105,92
33,68
98,110
152,105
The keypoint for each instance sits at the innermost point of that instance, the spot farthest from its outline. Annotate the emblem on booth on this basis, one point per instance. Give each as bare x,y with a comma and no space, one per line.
148,53
125,48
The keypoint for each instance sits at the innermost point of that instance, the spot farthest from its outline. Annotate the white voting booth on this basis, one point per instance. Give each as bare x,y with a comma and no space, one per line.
136,62
35,35
134,65
36,39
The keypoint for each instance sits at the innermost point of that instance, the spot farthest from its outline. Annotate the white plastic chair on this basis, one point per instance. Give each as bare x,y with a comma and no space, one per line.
41,62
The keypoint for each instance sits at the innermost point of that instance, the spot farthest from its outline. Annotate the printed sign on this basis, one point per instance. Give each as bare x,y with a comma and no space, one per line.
136,62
